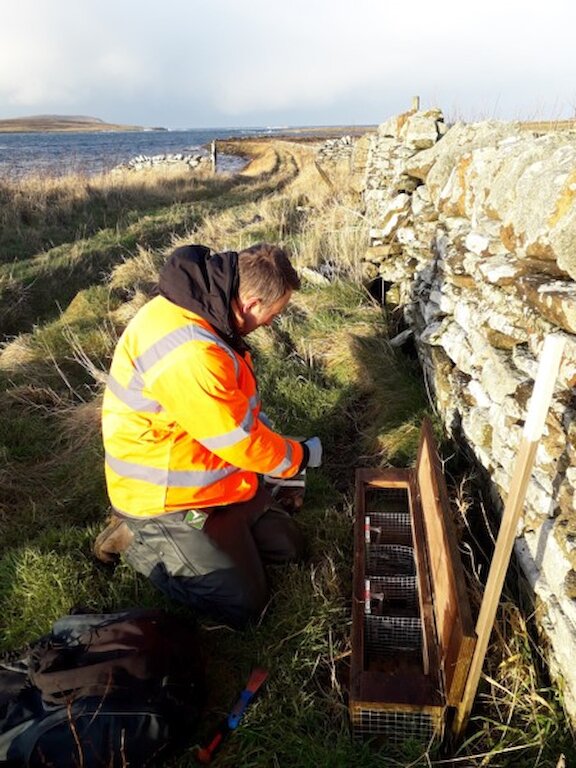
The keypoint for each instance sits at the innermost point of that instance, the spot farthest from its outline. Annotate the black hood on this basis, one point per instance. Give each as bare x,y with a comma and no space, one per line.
205,284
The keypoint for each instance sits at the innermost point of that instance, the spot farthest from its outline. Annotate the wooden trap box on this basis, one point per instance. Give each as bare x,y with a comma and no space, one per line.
412,631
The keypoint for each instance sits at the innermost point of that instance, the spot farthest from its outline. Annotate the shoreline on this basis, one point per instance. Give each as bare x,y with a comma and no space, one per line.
48,125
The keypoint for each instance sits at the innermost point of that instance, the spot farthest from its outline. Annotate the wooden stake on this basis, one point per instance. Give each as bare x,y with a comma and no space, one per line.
534,425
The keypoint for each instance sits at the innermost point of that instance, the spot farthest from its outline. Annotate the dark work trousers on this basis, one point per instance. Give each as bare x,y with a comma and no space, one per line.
214,562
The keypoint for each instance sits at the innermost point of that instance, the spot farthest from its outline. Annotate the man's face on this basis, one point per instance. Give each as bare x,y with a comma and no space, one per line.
253,313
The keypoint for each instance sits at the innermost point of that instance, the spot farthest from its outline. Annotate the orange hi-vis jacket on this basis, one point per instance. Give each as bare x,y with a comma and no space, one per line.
180,418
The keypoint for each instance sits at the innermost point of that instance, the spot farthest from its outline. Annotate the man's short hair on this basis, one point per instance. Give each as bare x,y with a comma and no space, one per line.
265,272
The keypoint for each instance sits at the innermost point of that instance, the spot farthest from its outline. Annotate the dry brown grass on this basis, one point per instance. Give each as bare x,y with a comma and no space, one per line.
40,212
81,424
38,197
17,354
126,311
325,202
226,229
44,191
138,272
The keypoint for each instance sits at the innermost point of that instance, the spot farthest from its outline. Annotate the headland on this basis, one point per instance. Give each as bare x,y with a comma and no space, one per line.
61,123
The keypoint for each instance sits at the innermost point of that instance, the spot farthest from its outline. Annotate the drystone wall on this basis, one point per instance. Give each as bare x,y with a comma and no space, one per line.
180,160
334,150
473,228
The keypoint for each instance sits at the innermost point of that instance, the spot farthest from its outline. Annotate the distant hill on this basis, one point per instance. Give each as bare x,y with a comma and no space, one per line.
44,123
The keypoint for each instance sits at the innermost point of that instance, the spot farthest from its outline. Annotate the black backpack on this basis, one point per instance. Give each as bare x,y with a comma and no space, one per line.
102,691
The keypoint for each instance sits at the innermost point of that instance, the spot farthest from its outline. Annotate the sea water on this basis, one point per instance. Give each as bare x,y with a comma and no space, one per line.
23,154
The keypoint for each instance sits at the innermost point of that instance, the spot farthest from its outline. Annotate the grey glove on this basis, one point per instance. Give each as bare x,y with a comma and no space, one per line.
315,450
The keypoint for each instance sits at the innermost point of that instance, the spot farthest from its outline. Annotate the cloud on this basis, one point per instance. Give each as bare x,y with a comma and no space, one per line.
213,62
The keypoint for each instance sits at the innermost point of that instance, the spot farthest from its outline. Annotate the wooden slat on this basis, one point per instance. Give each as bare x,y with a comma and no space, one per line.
357,659
496,576
539,405
389,477
456,636
430,660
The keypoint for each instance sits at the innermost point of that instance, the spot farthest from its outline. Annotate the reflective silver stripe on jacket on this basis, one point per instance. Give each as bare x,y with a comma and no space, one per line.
132,395
299,481
176,339
239,433
173,478
286,462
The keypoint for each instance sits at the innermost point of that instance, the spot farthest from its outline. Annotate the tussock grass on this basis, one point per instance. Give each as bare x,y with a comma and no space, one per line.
42,580
334,229
52,279
139,272
41,212
42,272
324,368
519,718
16,354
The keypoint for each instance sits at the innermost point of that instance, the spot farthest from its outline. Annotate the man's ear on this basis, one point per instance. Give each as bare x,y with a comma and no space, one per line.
250,303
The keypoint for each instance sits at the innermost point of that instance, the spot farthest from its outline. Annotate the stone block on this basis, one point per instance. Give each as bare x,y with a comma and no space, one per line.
477,428
380,253
555,300
420,131
477,243
499,376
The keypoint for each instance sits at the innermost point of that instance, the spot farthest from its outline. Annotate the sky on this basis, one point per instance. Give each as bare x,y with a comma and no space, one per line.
221,63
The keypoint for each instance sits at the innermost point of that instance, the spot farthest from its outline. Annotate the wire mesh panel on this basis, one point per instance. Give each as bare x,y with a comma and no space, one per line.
387,500
390,560
393,633
391,594
396,726
388,527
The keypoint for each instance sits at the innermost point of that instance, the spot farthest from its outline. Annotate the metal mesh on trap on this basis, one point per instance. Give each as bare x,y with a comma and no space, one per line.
386,500
392,633
389,560
387,527
396,726
401,590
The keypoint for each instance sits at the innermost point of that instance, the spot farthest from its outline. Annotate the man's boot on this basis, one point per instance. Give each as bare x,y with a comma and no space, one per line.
114,539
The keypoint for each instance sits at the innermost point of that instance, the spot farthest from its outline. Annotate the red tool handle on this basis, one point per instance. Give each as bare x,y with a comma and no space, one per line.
204,755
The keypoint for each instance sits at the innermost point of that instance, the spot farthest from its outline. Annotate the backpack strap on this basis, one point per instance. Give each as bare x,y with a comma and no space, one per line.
96,655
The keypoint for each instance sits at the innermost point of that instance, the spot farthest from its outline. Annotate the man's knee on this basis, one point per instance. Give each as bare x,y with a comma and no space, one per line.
278,538
222,595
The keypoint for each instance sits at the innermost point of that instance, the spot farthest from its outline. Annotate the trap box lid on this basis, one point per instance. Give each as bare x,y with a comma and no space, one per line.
454,626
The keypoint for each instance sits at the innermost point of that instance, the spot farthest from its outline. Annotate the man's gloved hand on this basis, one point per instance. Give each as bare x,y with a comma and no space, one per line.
314,447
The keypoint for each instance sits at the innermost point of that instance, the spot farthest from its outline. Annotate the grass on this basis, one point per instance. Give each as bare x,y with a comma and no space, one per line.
324,368
40,213
58,236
